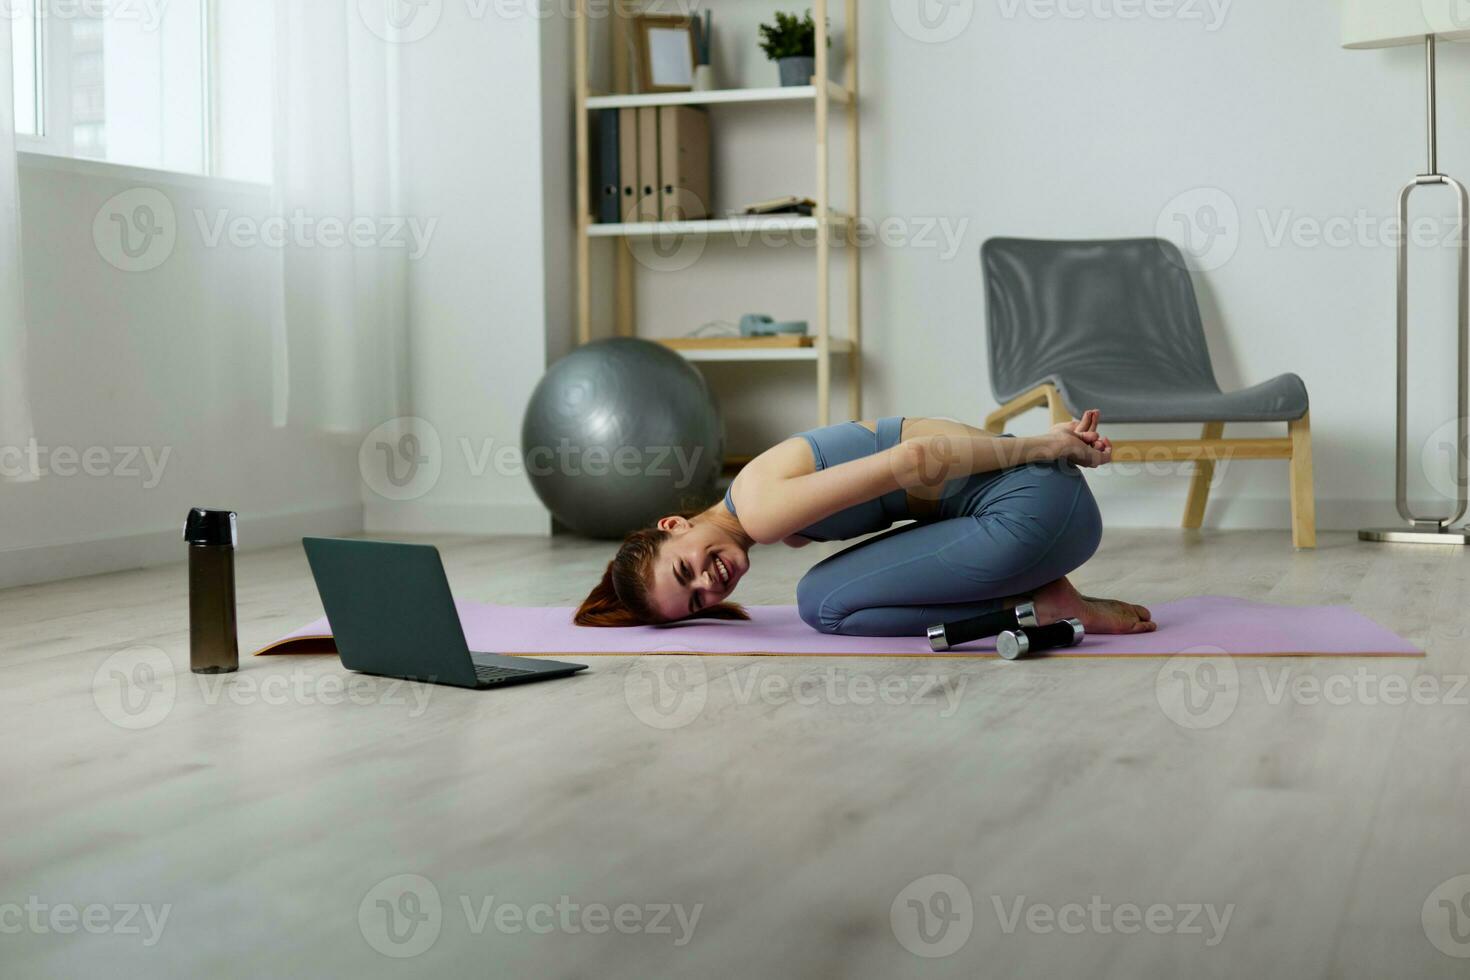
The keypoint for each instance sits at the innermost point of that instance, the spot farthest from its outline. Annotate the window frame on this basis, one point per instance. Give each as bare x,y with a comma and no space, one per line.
53,96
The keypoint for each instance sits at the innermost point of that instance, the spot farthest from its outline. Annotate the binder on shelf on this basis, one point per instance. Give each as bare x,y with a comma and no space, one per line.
647,208
609,190
628,163
683,163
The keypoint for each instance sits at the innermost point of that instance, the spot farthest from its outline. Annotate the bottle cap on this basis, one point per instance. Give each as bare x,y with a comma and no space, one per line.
216,527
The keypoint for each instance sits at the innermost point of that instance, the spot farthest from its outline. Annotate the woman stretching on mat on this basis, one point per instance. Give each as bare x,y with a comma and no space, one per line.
997,521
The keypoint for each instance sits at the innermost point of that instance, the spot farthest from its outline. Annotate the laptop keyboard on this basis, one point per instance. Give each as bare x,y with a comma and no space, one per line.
493,675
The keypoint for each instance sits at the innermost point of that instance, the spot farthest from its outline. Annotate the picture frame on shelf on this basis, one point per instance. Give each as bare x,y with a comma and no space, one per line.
666,53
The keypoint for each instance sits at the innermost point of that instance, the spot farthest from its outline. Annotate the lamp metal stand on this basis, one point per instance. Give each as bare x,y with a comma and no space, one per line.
1431,530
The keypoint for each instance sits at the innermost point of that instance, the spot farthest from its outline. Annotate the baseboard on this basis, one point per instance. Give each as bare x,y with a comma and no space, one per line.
97,556
433,517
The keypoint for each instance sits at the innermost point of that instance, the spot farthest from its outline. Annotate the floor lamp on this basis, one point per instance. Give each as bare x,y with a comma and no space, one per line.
1382,24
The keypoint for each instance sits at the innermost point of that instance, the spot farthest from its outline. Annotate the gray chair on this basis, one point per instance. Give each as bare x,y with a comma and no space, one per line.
1114,325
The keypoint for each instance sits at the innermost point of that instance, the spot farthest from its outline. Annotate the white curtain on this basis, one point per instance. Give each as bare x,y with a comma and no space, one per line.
16,462
340,343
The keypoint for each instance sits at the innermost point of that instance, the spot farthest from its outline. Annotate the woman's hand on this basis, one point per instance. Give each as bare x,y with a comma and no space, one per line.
1080,442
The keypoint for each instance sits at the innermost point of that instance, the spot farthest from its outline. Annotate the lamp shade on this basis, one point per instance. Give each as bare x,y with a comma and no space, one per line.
1386,23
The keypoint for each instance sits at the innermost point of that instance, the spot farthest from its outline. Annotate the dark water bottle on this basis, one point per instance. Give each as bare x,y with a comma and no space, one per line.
213,648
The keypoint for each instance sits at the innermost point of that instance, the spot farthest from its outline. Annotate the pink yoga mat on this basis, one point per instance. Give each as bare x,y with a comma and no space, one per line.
1204,625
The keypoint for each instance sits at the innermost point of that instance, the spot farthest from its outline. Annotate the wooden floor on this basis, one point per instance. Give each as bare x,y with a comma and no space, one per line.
800,808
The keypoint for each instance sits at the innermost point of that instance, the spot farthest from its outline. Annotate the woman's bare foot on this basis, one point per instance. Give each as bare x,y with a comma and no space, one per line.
1059,600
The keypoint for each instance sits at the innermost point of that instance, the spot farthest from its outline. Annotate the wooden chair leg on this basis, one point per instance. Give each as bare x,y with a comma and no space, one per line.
1054,404
1303,501
1199,484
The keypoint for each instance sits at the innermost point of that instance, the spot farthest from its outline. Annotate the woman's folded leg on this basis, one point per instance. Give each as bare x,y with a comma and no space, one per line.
1029,526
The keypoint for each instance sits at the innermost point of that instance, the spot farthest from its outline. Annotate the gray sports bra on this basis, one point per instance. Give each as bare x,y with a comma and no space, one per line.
834,444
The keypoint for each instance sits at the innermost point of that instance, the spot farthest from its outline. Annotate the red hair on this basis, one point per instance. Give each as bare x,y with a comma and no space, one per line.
621,598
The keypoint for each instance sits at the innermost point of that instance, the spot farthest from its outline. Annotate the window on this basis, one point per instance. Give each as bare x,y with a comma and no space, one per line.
182,85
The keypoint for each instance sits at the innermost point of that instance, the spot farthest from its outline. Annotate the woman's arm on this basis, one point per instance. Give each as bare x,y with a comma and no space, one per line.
773,507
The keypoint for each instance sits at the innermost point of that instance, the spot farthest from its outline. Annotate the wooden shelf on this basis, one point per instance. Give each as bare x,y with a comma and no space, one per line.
736,349
825,96
726,96
742,343
732,225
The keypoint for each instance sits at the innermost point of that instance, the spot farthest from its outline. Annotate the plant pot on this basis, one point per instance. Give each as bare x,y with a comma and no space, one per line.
796,71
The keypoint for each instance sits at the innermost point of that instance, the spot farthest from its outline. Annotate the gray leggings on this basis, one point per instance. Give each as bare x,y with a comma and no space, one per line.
996,535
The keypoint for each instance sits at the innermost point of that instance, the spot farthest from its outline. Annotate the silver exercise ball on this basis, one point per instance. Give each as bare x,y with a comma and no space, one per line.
619,433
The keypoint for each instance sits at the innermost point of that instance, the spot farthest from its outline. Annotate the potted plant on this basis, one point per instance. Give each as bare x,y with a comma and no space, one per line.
791,42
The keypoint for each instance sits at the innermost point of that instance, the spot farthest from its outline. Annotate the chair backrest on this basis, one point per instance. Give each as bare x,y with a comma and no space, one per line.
1117,314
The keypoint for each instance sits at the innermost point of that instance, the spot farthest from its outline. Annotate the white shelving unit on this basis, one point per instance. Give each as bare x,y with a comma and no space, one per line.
822,93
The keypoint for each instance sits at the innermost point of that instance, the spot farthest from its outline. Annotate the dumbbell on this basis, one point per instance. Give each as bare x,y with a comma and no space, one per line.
947,635
1014,644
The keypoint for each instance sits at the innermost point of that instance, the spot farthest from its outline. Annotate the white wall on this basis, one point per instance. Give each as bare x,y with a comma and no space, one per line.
172,364
480,298
1031,123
